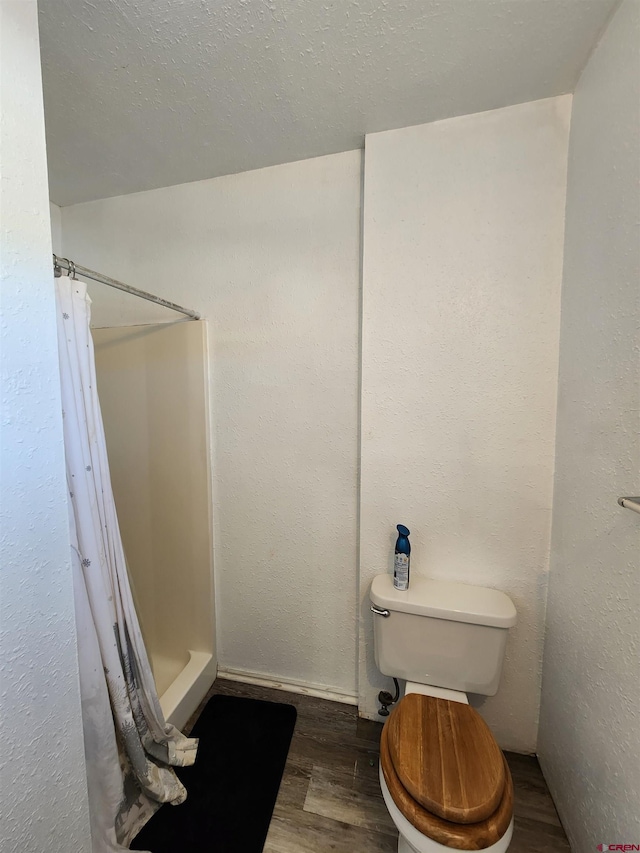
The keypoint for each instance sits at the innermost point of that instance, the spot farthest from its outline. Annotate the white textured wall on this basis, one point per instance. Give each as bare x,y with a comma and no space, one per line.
271,259
589,744
463,231
43,806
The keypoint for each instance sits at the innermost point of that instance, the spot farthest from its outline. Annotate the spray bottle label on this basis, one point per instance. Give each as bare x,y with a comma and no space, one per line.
401,571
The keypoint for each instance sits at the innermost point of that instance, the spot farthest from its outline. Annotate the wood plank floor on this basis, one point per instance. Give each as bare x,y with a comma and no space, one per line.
330,800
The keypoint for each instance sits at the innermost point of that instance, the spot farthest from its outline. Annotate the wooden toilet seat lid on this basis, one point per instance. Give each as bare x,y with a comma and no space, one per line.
458,836
446,758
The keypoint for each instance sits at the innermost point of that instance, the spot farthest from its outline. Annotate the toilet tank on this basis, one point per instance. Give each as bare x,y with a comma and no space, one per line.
440,633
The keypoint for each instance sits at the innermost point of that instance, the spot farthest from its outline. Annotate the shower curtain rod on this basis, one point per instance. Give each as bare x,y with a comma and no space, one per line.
74,269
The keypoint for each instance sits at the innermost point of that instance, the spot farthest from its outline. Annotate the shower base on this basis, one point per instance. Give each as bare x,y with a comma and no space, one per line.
189,687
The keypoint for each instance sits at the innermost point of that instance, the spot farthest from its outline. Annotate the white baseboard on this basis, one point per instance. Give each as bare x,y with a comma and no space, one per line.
292,686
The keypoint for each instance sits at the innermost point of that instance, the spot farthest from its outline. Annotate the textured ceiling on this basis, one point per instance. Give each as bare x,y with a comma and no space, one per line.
148,93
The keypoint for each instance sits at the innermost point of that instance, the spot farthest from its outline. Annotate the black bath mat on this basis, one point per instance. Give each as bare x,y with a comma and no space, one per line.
233,785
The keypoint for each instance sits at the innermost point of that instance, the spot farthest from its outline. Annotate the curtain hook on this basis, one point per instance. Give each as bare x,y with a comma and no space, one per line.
57,272
72,270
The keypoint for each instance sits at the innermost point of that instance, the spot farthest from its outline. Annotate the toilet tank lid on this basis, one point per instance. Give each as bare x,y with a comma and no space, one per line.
457,602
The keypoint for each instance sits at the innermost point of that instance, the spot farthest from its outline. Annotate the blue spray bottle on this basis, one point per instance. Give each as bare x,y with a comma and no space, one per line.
402,558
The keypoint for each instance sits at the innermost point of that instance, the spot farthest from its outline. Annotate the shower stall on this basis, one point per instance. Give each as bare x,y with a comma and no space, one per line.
153,387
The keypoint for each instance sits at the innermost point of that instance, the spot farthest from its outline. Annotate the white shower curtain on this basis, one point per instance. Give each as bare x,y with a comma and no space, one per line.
128,744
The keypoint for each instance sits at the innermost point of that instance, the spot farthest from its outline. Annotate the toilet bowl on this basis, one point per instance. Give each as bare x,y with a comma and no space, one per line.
443,777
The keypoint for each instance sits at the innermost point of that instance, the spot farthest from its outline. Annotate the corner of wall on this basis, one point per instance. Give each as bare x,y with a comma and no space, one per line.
55,214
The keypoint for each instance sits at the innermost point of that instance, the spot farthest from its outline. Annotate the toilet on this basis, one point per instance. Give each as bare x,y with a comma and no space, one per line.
444,779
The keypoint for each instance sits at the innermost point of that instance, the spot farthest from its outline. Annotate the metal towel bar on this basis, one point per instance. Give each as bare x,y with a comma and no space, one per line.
630,503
